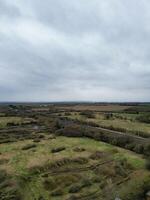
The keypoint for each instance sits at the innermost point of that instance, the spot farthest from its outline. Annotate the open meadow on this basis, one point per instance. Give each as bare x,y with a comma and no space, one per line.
50,152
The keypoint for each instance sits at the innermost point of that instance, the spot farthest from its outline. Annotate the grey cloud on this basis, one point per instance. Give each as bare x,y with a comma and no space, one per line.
74,50
7,10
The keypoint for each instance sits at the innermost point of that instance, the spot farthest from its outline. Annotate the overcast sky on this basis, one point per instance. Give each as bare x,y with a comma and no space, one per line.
68,50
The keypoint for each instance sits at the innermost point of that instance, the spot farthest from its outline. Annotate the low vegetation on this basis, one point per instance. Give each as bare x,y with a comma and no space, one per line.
64,152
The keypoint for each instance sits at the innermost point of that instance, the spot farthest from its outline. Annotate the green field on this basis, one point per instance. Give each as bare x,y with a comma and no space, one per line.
38,162
119,120
5,120
22,164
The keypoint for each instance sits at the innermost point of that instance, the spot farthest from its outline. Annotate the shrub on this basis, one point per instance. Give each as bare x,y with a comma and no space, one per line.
80,160
41,136
58,125
108,116
55,150
3,175
96,179
57,192
130,146
148,163
144,118
97,155
28,146
87,114
147,149
36,140
49,184
41,198
79,149
119,169
139,148
75,188
86,182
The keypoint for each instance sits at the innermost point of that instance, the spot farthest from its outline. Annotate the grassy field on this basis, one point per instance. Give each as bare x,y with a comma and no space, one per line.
20,163
39,164
5,120
119,120
100,108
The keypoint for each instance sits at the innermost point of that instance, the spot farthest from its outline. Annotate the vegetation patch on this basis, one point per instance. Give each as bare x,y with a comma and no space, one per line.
8,187
58,149
28,146
62,152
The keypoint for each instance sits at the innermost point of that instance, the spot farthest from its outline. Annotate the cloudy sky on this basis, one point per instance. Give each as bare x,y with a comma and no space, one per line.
68,50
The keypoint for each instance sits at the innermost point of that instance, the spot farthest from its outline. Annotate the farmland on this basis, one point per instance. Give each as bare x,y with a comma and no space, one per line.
67,152
118,120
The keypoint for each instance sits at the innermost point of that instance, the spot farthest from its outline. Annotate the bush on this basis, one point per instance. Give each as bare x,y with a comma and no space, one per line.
96,179
55,150
28,146
148,163
108,116
147,149
87,114
97,155
86,182
57,192
58,125
41,136
41,198
80,160
75,188
120,170
139,148
49,184
144,118
36,140
3,175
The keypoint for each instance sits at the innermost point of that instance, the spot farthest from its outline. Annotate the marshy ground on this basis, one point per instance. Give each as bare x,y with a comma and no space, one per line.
38,163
